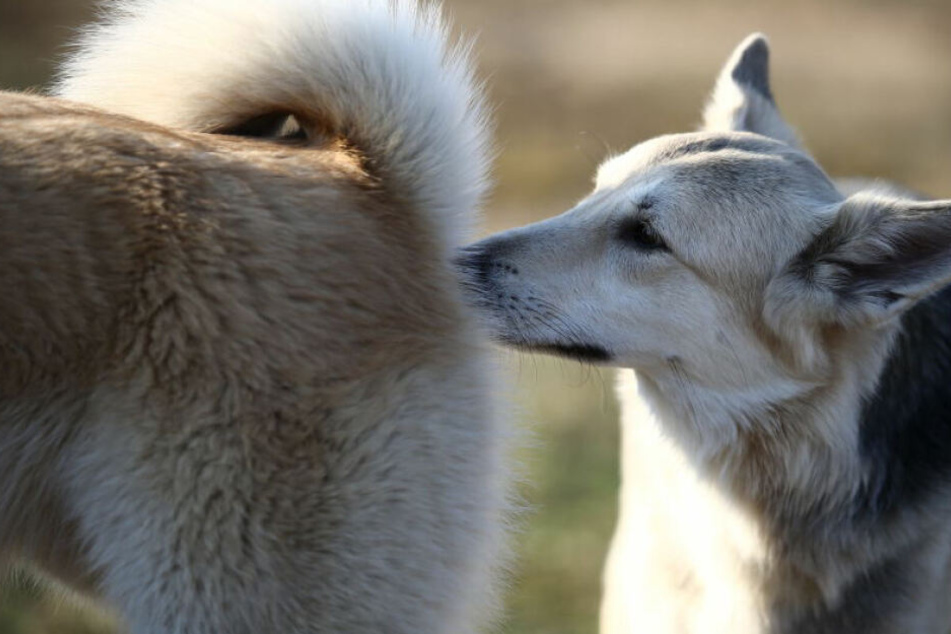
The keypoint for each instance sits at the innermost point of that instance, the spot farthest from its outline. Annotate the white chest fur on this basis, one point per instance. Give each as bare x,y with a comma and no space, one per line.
683,559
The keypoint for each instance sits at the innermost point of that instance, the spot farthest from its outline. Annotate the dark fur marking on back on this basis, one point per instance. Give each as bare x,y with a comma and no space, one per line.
905,431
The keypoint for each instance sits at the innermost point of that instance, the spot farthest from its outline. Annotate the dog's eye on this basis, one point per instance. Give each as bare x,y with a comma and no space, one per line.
638,233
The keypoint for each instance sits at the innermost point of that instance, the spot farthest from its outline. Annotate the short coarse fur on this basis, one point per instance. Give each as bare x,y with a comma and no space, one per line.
788,469
240,392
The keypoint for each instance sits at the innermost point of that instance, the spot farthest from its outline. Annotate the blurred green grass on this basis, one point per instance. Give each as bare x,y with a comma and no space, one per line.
571,467
867,82
30,606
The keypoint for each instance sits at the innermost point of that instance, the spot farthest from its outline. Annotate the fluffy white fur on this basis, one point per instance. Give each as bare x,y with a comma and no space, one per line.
380,73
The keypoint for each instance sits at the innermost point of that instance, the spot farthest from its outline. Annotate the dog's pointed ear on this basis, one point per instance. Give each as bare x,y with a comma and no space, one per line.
742,100
876,258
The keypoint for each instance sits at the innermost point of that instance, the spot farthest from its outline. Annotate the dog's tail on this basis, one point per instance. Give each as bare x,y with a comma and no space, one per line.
383,74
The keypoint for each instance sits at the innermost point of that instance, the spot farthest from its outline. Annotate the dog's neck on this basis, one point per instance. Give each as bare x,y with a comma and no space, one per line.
787,450
782,436
817,469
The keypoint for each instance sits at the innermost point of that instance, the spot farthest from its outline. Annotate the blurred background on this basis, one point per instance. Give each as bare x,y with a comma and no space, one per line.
867,83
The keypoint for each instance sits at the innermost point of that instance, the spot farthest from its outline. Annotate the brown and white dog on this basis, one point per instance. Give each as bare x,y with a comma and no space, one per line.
239,390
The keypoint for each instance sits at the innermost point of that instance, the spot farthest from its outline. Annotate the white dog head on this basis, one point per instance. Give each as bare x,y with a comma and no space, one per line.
724,259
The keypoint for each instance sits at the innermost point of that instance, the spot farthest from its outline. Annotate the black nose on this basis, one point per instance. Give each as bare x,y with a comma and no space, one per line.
474,262
490,260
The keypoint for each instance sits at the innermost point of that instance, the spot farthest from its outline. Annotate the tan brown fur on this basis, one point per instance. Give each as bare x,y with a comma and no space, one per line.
149,204
246,349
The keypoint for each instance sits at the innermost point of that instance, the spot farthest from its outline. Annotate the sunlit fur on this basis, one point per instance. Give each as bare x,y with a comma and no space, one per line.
787,439
382,73
240,392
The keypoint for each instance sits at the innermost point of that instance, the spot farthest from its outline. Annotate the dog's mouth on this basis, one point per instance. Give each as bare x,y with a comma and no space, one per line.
582,352
527,322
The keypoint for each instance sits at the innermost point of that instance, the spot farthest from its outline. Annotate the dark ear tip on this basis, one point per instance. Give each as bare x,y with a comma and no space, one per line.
750,65
756,43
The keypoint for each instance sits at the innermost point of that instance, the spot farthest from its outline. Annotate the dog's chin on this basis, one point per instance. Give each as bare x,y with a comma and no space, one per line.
583,352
